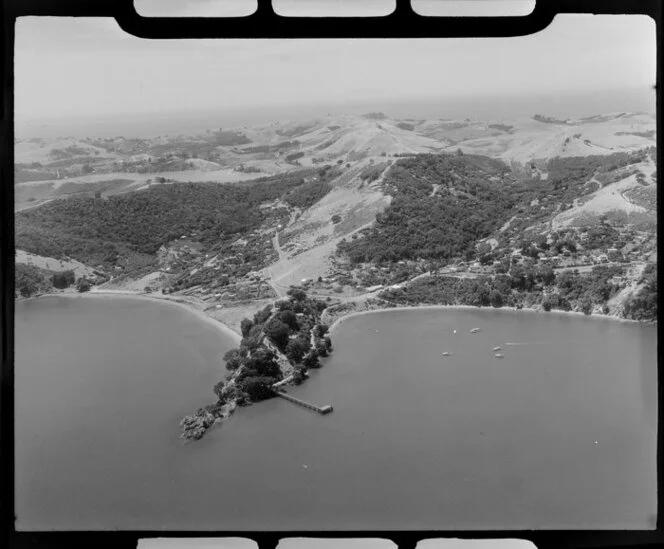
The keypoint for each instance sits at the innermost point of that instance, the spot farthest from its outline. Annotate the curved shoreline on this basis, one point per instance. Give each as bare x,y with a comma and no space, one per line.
237,337
337,323
223,328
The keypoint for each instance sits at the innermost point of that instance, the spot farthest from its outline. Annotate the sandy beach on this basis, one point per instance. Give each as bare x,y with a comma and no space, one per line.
335,325
197,308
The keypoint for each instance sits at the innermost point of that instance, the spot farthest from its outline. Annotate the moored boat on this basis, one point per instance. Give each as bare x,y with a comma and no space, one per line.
497,348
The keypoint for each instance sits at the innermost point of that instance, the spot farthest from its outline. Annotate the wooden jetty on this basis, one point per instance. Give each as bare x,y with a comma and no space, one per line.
320,409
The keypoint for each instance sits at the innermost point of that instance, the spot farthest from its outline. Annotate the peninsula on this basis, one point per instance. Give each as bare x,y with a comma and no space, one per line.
279,345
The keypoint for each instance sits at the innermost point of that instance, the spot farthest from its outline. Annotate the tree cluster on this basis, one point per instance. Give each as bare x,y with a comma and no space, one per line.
643,305
532,285
135,225
63,280
307,194
30,280
466,207
288,325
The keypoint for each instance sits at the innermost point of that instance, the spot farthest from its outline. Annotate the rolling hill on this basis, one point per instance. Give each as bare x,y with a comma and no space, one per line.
347,203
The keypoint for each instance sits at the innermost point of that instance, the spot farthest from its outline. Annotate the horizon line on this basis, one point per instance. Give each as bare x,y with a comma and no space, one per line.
337,107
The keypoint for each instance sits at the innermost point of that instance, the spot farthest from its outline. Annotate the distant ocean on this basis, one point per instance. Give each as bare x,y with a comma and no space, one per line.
487,107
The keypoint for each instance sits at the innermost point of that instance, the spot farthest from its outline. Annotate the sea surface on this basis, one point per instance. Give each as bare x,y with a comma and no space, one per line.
560,433
484,107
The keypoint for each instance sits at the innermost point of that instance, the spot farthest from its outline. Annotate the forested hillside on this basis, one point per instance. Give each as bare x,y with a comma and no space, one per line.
643,305
511,240
570,223
98,231
442,204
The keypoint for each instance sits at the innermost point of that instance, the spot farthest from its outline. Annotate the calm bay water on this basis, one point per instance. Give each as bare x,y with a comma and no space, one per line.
561,433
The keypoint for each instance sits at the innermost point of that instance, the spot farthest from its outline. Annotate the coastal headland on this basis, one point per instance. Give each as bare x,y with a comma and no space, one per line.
345,215
278,347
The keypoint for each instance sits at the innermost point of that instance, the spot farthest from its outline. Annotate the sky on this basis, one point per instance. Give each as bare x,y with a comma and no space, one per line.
83,67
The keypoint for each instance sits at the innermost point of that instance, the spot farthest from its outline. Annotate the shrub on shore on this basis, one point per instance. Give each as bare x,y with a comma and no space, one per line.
310,360
233,359
245,326
63,280
83,285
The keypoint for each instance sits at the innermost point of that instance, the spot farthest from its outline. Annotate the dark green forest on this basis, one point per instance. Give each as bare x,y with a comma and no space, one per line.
421,223
523,286
288,325
475,196
30,280
643,306
253,368
307,194
98,231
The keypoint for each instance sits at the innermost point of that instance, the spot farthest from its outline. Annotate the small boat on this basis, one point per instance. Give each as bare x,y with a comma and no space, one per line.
446,353
474,330
499,355
497,348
